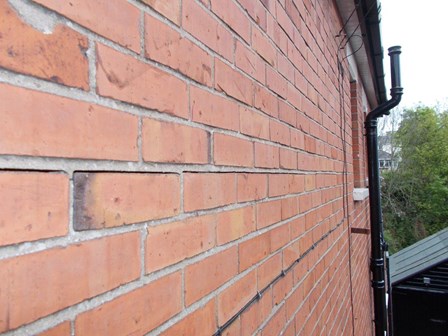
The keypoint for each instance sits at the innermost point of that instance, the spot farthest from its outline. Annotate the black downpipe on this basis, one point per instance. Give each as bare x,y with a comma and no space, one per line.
376,220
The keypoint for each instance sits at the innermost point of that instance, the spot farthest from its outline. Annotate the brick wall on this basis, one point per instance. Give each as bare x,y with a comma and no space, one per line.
164,163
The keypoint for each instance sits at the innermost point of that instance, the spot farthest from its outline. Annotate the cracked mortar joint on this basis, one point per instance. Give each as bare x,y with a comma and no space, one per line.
36,16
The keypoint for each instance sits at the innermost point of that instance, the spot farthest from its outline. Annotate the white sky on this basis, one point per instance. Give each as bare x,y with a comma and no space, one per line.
421,28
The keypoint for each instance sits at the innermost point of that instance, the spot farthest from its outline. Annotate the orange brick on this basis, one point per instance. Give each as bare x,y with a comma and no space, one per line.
32,206
288,159
45,282
139,311
256,314
254,250
170,142
249,62
201,322
284,184
282,288
298,224
207,275
214,110
279,236
234,224
207,29
111,199
276,324
268,270
232,299
123,77
231,14
233,83
251,187
233,330
266,156
40,124
266,101
58,57
62,329
279,132
276,82
170,243
232,151
122,24
168,8
294,301
254,124
269,213
208,190
262,45
165,45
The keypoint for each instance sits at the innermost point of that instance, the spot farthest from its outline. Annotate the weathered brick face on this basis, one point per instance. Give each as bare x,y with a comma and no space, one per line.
163,163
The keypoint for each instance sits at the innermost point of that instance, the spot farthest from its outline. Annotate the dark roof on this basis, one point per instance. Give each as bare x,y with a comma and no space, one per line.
419,257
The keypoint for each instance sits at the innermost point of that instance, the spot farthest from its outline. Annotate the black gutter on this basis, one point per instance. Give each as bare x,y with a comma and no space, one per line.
376,222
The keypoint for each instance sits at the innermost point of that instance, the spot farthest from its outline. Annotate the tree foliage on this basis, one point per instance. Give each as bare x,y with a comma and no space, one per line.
415,195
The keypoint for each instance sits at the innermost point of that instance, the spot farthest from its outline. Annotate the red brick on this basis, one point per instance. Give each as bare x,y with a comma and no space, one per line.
294,97
233,83
284,184
287,113
207,275
266,156
105,200
285,67
165,45
231,14
45,282
201,322
256,314
122,24
249,62
62,329
167,244
290,207
208,190
297,225
254,124
251,187
139,311
269,213
41,124
268,270
291,253
276,324
32,206
256,11
168,8
279,236
234,224
207,29
58,57
254,250
276,82
282,288
232,299
125,78
288,159
232,151
297,139
262,45
266,101
170,142
214,110
279,132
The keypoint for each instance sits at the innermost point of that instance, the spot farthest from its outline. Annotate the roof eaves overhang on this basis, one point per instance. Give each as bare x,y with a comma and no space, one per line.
363,29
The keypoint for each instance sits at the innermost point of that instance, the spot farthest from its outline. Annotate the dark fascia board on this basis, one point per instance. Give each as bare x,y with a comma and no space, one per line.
369,17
